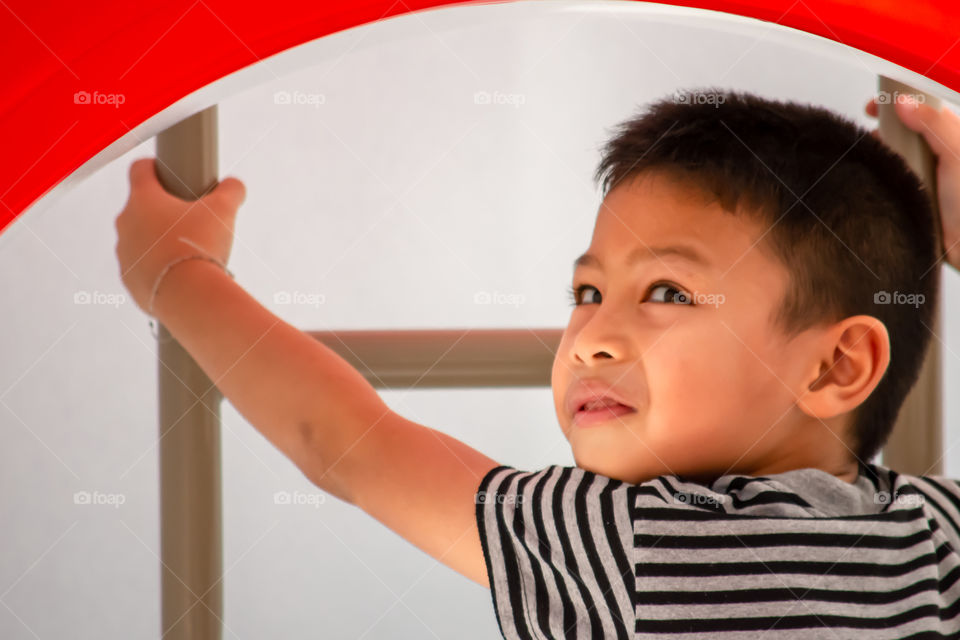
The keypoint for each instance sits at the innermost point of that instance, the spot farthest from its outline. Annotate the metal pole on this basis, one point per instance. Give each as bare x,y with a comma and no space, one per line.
447,358
916,443
189,404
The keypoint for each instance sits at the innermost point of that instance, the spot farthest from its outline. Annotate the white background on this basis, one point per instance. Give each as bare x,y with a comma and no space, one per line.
397,199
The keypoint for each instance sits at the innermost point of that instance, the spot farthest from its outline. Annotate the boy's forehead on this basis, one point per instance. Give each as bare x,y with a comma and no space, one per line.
657,212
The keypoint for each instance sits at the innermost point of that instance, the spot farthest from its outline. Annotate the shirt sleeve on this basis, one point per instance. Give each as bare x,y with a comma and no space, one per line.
556,543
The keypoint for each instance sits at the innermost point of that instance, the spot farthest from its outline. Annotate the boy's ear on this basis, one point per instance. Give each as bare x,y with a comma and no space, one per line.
853,357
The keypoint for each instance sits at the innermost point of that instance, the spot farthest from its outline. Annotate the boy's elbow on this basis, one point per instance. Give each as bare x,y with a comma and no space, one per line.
339,448
318,464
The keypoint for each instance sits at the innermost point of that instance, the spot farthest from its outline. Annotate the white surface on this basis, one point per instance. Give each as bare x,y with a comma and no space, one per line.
397,199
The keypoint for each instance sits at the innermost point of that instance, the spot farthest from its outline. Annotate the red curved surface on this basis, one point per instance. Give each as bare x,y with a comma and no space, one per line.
154,52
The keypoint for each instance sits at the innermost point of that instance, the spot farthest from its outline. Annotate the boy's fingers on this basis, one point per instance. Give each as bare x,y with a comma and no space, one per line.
940,128
940,132
143,174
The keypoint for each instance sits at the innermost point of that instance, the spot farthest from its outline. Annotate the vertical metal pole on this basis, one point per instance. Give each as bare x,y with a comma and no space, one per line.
189,405
916,443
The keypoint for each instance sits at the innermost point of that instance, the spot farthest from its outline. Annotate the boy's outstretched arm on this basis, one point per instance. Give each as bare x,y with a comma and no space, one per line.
304,398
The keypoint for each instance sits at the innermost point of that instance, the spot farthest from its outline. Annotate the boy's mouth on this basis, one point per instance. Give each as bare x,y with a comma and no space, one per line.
594,396
602,403
602,413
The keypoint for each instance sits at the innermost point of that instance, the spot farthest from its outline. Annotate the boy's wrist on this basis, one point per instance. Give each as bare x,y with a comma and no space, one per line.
179,275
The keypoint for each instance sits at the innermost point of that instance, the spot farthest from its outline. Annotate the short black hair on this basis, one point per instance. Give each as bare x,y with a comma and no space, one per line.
852,223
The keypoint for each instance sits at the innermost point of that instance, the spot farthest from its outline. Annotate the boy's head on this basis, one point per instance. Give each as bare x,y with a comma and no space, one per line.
796,340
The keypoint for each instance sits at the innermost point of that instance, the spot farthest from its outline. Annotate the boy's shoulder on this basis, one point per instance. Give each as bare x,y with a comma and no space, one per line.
815,493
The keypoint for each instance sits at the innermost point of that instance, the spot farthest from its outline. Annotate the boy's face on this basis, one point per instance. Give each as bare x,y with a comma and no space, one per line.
713,383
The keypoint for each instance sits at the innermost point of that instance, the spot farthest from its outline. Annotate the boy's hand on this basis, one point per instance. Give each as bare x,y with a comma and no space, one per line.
941,129
153,220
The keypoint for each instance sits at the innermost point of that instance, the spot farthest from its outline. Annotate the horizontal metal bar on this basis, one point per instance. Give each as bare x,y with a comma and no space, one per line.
448,358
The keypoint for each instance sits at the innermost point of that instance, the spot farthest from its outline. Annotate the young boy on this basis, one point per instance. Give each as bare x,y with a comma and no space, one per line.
733,362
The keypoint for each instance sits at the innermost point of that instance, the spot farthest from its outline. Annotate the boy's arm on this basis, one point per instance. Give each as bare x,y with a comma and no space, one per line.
323,415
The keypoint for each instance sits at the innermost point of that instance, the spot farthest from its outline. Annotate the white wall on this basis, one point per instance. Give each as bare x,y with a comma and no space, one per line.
397,198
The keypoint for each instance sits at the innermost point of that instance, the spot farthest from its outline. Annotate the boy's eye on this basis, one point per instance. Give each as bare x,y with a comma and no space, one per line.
671,294
577,292
679,297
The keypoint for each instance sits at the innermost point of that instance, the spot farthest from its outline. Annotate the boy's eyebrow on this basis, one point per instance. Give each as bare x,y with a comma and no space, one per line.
647,253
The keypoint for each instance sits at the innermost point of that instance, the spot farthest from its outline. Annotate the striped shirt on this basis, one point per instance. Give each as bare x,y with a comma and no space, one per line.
800,554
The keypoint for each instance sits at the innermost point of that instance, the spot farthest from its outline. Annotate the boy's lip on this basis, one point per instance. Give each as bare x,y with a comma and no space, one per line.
587,389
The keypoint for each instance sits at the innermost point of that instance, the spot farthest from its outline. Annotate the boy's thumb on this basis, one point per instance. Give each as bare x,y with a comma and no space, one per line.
230,192
908,111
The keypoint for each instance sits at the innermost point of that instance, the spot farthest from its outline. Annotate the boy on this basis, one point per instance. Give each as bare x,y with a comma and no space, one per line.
728,372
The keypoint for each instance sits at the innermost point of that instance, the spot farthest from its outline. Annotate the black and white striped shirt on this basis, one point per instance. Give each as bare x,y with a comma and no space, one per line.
801,554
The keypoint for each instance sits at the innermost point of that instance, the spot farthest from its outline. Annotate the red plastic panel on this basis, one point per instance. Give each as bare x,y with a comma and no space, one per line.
134,59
